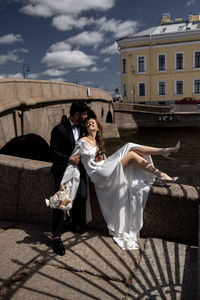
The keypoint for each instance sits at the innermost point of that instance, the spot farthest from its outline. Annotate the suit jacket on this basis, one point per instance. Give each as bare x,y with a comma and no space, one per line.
62,144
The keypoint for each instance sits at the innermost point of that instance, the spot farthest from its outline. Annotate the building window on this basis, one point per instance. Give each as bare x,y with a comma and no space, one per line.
141,64
180,27
163,29
124,65
179,87
197,86
161,62
125,90
197,59
162,88
179,61
141,89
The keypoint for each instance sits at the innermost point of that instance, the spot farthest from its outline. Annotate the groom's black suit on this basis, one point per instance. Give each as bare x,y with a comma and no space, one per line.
62,145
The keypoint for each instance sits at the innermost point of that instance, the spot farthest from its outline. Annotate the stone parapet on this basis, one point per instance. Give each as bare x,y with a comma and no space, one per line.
25,92
171,212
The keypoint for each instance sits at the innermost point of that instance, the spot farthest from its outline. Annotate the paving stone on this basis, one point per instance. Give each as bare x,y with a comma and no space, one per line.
54,283
97,254
27,248
167,270
18,248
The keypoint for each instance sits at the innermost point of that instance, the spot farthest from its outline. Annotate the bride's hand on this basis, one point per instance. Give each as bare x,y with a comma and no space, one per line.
62,187
74,160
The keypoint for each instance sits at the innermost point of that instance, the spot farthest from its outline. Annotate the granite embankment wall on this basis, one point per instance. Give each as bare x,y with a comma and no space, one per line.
171,212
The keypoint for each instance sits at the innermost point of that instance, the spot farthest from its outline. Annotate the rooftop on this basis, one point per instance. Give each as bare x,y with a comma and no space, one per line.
168,26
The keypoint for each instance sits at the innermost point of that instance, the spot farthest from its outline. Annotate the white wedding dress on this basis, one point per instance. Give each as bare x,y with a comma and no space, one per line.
122,194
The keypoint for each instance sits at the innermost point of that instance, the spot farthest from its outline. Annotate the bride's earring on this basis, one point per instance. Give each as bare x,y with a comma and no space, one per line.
167,151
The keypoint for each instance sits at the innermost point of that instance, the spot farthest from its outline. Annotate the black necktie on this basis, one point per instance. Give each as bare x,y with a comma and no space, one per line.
75,126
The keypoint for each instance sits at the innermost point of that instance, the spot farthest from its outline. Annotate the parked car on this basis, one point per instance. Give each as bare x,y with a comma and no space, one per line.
188,100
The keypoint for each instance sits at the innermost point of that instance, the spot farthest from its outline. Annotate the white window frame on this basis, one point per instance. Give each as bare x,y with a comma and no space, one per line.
139,89
196,68
141,72
176,61
194,86
158,55
159,88
176,87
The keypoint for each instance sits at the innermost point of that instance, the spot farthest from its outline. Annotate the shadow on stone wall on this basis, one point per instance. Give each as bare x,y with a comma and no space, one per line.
171,212
29,146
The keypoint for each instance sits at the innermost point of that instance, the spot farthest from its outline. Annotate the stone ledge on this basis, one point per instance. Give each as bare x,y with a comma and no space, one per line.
171,211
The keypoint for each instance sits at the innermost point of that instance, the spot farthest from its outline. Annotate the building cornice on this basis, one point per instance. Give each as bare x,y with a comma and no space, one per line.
159,38
159,46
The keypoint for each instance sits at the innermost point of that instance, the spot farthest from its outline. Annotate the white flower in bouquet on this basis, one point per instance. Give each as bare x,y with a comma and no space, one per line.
60,200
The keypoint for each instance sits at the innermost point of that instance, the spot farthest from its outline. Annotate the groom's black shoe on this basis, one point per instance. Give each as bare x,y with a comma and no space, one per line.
78,229
58,247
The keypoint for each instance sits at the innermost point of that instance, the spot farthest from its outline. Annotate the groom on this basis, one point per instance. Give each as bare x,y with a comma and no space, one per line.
62,144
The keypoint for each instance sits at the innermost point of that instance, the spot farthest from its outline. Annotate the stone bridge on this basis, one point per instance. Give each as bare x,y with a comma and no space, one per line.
36,106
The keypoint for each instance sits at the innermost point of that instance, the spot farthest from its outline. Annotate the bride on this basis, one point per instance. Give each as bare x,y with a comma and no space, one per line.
122,181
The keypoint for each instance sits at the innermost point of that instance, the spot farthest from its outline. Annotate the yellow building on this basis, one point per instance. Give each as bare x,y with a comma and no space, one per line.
162,63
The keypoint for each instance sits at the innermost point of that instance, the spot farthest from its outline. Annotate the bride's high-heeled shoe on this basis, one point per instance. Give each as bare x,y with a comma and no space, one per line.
167,151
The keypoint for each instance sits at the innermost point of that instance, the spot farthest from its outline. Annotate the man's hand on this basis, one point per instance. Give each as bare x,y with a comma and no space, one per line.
74,160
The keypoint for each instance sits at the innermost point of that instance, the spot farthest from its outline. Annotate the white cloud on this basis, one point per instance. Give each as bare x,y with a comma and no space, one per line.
96,69
107,60
189,3
5,58
57,79
87,38
32,76
11,38
47,8
60,46
112,49
12,56
68,59
17,75
117,27
66,22
82,70
88,83
54,72
23,50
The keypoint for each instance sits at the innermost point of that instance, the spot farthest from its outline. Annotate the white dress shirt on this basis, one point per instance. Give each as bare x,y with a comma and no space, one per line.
75,130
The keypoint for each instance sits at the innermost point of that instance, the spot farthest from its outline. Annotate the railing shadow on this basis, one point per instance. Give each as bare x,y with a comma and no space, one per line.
167,270
110,287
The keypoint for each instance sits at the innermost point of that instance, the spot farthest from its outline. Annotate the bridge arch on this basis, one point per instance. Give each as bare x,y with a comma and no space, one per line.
29,146
109,118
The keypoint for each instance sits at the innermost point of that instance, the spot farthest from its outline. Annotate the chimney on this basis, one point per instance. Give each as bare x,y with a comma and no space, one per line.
178,20
166,18
194,18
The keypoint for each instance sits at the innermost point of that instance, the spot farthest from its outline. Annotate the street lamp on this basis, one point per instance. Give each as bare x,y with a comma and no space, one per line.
26,68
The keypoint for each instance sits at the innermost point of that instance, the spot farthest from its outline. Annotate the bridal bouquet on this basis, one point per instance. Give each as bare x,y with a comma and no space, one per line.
60,200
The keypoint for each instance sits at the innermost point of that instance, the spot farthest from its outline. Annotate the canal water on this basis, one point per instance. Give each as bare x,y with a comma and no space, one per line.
185,164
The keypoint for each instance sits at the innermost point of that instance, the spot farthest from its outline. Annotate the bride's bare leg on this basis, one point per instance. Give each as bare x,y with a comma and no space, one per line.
147,150
133,158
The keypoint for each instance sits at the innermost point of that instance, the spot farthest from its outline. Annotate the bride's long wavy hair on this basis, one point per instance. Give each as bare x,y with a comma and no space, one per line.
99,140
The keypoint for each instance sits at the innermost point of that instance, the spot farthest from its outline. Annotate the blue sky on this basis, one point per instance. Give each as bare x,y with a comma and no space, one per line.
74,40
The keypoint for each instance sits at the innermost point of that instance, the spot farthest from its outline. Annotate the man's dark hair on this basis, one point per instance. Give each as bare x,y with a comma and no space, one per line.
78,107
